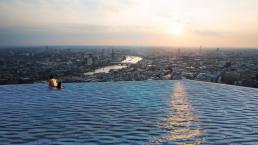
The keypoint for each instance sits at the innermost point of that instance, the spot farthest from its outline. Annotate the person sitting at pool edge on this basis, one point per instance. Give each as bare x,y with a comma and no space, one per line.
53,83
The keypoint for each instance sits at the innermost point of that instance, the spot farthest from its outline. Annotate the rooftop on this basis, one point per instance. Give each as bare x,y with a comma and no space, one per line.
147,112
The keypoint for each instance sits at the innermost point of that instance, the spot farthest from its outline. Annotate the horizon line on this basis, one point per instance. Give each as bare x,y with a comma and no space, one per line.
141,46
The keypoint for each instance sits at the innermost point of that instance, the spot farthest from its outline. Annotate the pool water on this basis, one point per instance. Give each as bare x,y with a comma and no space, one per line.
147,112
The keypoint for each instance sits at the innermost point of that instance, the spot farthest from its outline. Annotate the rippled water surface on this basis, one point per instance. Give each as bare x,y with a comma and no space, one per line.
151,112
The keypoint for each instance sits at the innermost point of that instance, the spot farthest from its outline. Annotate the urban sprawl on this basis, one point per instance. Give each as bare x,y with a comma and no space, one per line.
106,63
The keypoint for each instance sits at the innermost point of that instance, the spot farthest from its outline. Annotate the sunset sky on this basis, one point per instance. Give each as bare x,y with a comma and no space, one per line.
190,23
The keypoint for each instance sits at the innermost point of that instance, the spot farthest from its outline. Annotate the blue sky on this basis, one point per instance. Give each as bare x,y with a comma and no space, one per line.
212,23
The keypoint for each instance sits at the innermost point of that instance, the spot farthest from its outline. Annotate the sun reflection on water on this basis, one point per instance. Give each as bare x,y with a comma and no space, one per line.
182,124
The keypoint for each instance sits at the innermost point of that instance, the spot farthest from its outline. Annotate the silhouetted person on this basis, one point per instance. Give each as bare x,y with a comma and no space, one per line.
53,83
60,85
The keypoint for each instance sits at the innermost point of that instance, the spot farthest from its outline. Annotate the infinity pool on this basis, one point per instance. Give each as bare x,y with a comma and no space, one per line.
150,112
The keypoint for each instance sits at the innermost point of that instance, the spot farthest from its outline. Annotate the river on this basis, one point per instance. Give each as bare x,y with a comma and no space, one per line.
106,69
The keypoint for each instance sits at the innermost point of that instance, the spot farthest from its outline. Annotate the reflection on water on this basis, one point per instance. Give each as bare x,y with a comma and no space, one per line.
182,124
132,59
106,69
129,113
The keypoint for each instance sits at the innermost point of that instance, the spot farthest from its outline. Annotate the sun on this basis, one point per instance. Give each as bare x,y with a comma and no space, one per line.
175,29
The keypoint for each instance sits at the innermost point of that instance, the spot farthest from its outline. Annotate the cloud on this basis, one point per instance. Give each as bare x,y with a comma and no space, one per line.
209,32
72,34
64,21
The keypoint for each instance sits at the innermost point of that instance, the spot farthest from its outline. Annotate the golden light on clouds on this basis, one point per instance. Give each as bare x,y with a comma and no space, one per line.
211,23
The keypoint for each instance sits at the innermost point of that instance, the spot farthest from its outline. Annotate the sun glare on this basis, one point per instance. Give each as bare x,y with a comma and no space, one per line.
175,29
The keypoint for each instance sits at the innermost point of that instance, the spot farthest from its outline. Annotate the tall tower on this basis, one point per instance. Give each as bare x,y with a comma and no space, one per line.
47,49
217,50
200,51
178,52
102,54
113,55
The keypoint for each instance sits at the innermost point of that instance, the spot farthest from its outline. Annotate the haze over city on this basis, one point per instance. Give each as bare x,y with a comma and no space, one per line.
190,23
161,72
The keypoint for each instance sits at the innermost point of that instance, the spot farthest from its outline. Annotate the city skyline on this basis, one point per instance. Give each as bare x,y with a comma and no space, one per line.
210,23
